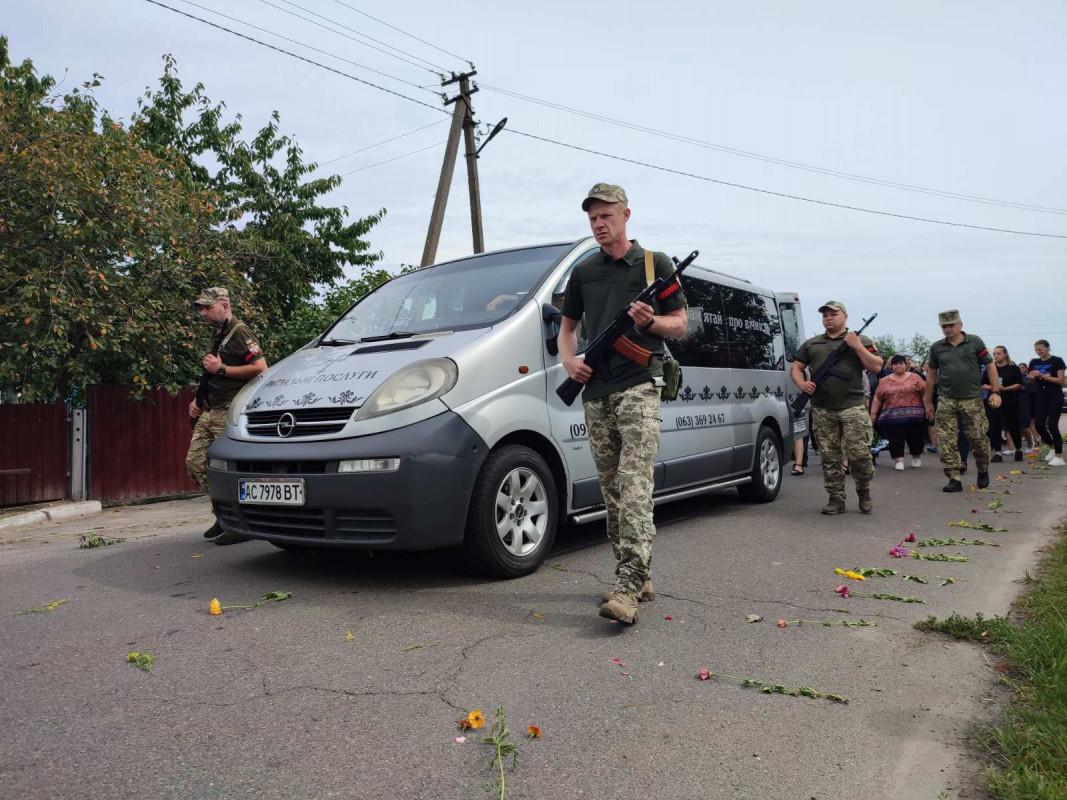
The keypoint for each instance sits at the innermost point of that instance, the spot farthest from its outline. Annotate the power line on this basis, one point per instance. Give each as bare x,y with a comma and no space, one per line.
772,159
396,158
780,194
379,144
305,59
286,38
398,30
357,41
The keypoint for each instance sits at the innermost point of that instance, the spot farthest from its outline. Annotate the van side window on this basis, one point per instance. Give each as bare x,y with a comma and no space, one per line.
705,341
561,290
754,330
790,329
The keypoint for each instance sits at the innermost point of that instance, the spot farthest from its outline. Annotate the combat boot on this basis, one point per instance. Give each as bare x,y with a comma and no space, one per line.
983,480
835,505
953,485
648,594
866,504
622,606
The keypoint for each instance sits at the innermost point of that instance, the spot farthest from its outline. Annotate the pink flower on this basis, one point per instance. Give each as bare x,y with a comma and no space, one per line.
668,617
704,675
899,552
842,590
782,623
910,537
614,661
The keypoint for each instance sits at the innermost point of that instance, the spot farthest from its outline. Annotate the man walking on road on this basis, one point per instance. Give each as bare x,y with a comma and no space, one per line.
622,408
238,360
955,368
839,418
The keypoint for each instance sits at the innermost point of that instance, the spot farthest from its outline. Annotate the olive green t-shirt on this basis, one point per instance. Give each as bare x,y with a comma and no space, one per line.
959,367
600,286
836,393
239,346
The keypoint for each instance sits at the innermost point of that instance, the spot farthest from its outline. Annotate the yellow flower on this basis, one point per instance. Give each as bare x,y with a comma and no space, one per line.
1015,472
131,657
215,608
533,732
349,636
855,576
476,718
839,571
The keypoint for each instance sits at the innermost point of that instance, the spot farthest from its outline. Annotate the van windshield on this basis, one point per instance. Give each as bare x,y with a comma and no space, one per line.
470,293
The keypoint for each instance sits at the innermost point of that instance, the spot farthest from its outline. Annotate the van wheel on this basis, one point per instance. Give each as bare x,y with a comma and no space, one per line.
767,471
512,517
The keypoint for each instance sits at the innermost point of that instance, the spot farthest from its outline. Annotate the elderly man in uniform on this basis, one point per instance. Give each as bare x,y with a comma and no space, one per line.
955,367
839,417
238,360
622,408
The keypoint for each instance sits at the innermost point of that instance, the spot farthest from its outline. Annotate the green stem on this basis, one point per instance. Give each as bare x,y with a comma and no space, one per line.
500,763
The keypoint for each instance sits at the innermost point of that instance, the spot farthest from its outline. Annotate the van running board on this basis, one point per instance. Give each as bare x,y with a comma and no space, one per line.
680,494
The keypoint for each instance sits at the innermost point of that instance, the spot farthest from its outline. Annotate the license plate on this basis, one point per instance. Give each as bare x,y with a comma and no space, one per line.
271,491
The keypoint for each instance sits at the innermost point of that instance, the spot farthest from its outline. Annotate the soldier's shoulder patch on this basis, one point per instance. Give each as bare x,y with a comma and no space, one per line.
253,347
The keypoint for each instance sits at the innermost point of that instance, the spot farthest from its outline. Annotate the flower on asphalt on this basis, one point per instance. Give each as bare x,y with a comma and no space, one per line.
476,718
782,623
132,657
842,590
855,575
899,552
704,675
215,608
464,724
460,739
533,732
838,571
910,537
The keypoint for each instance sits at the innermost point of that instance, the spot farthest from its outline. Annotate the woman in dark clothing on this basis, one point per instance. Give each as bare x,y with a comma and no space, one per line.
1047,372
1006,418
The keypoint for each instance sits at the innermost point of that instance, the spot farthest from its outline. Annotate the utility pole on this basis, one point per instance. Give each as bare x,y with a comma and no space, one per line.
461,114
471,155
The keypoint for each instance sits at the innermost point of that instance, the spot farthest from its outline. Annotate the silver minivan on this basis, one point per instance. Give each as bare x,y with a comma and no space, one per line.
426,416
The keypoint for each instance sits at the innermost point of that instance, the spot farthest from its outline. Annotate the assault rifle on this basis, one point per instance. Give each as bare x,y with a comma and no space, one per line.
207,385
827,368
614,336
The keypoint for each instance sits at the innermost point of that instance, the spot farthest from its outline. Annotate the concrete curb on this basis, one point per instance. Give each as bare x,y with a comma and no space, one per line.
23,519
57,513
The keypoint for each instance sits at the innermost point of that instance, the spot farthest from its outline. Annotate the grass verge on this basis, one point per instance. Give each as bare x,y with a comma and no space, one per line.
1027,750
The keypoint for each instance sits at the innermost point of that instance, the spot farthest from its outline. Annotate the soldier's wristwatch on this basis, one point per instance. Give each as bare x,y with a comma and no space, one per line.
221,372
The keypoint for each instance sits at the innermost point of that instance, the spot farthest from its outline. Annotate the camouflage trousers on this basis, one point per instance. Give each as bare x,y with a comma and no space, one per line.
844,433
950,413
624,437
209,426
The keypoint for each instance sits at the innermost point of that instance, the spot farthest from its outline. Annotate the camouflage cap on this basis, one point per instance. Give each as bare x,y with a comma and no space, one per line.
833,305
209,297
608,192
948,317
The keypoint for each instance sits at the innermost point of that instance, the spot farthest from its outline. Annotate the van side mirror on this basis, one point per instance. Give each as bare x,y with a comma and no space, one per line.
553,316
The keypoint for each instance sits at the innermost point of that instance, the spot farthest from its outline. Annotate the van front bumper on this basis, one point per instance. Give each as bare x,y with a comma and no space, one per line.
422,505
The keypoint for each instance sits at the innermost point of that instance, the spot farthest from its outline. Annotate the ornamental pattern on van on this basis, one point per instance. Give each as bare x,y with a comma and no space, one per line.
740,393
706,394
276,401
724,394
308,400
254,404
347,397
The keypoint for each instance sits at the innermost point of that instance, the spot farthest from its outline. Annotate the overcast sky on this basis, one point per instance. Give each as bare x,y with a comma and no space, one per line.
964,97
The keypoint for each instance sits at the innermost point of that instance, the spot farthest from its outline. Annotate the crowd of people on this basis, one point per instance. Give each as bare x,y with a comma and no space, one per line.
963,400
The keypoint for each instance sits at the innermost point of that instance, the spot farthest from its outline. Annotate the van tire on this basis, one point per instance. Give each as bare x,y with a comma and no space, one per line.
766,470
512,479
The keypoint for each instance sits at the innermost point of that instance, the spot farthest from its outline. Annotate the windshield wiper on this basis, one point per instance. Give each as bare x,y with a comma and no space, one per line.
335,342
393,335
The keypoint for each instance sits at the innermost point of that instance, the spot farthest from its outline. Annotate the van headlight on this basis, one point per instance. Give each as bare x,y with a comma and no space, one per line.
409,386
233,415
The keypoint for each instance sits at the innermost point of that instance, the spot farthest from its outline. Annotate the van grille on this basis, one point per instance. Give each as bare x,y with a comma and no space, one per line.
364,524
305,421
282,467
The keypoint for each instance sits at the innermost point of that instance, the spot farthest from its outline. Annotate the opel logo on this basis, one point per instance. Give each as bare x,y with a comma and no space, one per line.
286,424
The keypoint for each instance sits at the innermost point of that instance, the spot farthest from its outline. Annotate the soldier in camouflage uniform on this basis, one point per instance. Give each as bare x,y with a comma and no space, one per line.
239,360
955,367
622,406
840,421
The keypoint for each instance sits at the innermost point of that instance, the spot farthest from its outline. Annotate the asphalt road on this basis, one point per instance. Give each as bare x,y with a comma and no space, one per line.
277,702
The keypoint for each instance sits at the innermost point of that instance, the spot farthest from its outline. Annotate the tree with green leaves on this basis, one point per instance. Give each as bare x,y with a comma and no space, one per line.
292,243
101,247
